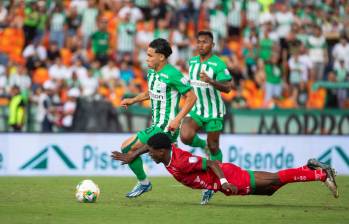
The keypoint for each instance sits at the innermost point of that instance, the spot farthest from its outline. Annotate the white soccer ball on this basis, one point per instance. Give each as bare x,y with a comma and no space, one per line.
87,191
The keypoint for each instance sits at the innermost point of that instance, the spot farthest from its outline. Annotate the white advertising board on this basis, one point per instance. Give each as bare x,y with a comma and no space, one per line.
89,154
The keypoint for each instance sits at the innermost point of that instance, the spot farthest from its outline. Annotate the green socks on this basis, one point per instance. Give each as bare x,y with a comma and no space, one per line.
136,165
218,156
198,142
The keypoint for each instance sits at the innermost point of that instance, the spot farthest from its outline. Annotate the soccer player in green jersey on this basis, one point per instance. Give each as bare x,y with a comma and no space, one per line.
208,76
165,87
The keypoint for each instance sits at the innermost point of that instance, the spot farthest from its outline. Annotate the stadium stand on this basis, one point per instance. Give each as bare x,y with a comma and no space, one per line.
282,54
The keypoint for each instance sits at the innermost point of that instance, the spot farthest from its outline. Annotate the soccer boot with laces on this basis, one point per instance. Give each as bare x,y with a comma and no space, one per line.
139,189
206,196
330,181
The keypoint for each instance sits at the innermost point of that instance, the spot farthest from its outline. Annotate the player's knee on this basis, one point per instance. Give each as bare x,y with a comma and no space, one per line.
186,121
125,146
186,137
127,149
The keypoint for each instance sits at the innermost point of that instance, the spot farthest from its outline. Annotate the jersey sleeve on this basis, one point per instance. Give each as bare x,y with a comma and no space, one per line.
191,163
180,83
223,73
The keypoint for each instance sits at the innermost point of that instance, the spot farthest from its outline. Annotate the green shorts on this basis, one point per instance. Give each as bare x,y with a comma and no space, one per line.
208,124
144,135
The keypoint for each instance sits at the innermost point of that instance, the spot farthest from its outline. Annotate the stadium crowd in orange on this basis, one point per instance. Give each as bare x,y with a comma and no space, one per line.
98,47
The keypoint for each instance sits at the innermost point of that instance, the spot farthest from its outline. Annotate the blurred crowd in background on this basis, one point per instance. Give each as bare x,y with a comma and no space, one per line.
281,54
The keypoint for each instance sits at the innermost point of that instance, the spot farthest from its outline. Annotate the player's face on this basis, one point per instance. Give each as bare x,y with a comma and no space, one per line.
204,44
156,155
153,58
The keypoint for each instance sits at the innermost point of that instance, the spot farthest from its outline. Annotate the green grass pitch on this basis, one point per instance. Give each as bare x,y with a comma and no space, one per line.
51,200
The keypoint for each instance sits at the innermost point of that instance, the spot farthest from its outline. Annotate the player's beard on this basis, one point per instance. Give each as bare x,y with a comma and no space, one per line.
204,53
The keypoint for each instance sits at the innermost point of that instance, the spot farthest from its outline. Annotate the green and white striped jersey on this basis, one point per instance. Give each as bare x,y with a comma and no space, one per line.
209,104
126,36
165,89
88,24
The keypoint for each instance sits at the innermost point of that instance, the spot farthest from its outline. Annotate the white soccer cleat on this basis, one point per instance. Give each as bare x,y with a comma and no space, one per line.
138,190
206,196
330,181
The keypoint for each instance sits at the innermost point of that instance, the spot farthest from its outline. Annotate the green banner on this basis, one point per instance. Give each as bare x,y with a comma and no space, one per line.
240,121
310,122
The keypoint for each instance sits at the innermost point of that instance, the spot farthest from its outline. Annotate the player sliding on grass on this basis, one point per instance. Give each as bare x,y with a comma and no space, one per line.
209,77
165,86
200,173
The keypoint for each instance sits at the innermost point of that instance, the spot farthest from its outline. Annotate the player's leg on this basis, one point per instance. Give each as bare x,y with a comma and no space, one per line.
131,144
267,183
214,128
189,129
188,132
136,166
213,146
264,183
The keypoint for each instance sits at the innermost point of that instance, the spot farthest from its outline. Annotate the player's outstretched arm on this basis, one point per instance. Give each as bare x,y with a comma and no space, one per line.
225,86
213,165
127,158
139,98
190,99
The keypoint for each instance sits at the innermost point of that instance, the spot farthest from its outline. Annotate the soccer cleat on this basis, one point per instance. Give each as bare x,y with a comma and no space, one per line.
330,181
315,165
138,190
206,196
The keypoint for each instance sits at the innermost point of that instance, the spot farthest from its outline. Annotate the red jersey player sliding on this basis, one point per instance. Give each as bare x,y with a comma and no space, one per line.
200,173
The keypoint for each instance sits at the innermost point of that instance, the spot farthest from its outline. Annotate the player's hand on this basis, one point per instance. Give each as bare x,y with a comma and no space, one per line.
125,158
174,125
204,77
230,188
126,102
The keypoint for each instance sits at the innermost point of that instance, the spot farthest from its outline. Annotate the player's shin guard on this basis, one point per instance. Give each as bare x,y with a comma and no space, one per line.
136,165
301,174
198,142
218,156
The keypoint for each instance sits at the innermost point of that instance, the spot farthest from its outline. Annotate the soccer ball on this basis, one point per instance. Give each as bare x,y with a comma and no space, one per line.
87,191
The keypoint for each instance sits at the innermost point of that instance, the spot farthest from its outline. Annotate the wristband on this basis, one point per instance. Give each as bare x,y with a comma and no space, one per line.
223,181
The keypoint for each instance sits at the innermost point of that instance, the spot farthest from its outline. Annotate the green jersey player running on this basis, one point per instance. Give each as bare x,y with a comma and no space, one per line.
165,87
209,76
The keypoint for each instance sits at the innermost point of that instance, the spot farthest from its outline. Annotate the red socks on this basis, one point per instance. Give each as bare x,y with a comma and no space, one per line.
301,174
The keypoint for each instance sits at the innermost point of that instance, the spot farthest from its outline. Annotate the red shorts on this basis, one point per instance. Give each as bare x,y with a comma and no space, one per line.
239,178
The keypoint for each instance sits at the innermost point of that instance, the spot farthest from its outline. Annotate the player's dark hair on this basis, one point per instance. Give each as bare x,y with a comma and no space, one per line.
159,141
161,46
205,33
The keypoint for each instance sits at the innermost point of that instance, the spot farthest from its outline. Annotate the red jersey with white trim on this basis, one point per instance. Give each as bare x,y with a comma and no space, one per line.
192,171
